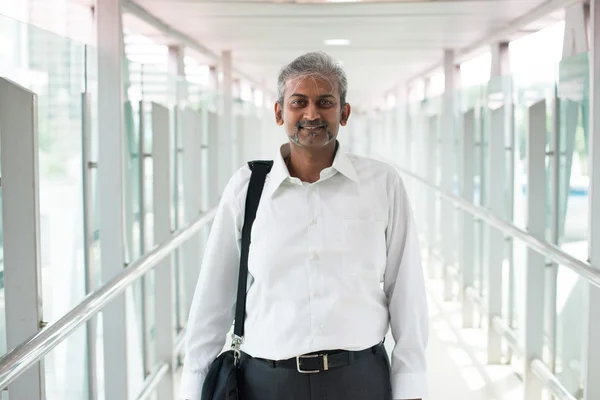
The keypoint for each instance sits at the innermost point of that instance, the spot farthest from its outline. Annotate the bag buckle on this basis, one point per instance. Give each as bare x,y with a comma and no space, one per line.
236,344
304,371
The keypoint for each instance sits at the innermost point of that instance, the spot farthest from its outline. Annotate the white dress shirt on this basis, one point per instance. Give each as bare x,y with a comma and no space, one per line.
332,265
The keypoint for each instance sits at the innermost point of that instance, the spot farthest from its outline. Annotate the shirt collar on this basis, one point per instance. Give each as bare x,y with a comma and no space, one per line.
279,172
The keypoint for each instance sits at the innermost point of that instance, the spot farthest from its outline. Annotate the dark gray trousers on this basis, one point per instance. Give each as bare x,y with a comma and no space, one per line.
366,379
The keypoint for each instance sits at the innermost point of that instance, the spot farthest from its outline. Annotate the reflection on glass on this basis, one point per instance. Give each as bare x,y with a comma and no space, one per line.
570,303
53,67
2,309
573,217
574,133
135,295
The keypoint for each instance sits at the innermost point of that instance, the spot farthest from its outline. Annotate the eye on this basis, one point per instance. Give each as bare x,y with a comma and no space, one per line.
326,103
298,102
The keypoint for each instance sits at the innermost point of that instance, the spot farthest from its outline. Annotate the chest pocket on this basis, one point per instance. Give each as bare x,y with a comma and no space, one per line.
366,250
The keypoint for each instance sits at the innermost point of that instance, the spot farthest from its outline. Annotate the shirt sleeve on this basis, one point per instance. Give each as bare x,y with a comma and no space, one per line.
404,285
213,305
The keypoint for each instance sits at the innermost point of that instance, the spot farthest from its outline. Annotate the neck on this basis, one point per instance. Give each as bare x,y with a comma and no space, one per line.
306,164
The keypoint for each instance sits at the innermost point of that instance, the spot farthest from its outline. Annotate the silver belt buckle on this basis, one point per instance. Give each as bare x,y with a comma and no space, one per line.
303,371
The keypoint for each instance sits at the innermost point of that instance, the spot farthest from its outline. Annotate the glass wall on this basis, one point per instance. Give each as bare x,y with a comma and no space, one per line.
54,67
562,85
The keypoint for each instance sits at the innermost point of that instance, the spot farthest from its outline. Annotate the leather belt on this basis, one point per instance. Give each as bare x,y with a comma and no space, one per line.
321,361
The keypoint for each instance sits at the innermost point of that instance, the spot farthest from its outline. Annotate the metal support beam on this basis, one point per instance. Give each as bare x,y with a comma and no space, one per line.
448,169
192,170
213,159
494,249
431,168
535,267
21,228
226,131
177,70
146,306
179,92
213,85
575,40
110,188
467,234
91,269
500,64
164,277
592,325
402,136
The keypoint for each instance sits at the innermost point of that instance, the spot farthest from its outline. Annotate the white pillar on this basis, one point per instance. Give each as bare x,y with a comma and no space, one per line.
21,228
163,275
213,86
500,64
592,325
178,96
226,131
432,197
535,265
110,190
495,183
467,233
494,246
177,69
448,152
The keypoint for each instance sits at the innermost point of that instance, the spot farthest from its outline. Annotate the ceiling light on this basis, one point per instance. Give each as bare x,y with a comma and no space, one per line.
337,42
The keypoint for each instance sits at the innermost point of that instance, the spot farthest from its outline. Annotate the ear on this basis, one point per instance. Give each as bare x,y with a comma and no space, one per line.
278,113
345,114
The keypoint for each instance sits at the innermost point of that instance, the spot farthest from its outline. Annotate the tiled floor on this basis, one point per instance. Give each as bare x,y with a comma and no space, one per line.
457,358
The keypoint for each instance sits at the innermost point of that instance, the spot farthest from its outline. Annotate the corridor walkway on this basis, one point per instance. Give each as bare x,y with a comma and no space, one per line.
457,357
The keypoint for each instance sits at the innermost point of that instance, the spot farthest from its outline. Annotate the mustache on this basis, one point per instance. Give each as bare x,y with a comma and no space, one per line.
311,124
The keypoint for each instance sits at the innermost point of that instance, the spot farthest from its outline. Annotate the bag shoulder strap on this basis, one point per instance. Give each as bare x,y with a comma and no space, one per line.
260,170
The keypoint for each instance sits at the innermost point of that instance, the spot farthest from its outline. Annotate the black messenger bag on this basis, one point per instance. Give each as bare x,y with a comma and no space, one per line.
222,379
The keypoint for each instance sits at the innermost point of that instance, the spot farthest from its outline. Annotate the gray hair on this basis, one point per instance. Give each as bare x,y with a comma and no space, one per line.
313,64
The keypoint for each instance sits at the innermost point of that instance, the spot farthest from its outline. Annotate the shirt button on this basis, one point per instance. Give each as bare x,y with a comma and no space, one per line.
315,256
313,222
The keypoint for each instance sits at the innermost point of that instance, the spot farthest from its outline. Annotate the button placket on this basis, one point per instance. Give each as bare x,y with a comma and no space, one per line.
314,243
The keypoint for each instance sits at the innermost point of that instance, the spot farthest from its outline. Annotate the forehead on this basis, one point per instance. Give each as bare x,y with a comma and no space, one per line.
311,85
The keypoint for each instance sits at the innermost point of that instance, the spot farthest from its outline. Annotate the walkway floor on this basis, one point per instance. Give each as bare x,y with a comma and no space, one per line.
457,357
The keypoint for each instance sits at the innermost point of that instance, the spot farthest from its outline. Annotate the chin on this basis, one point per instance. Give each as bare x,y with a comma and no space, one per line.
315,142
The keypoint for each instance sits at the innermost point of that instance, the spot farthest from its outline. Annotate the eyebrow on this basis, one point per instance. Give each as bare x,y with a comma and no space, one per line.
306,97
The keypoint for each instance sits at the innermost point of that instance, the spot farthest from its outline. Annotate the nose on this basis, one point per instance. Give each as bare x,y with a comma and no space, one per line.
311,112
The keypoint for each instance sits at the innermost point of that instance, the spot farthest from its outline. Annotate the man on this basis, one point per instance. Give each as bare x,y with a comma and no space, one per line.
330,229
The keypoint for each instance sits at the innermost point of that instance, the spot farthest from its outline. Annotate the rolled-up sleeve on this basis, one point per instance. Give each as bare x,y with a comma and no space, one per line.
213,305
404,285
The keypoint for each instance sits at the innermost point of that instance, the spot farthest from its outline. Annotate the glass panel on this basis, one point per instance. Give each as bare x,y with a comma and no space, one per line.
67,370
2,302
526,95
574,177
10,50
54,68
133,235
573,216
570,304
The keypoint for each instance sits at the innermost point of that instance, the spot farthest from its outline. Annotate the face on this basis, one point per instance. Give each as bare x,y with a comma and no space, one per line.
311,112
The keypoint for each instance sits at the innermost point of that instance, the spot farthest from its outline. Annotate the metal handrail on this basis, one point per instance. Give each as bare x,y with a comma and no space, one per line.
548,250
550,381
153,380
23,357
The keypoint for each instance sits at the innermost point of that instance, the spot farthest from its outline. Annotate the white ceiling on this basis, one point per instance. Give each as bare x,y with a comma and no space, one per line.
392,41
